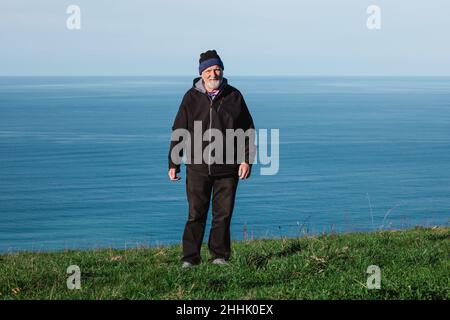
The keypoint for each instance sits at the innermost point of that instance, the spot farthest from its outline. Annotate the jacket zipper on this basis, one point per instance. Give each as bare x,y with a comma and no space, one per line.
210,125
211,100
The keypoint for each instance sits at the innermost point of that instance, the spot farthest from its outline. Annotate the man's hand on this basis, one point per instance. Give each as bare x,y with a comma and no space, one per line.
173,175
244,170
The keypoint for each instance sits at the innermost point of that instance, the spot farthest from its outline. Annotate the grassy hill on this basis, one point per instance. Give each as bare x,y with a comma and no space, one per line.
414,264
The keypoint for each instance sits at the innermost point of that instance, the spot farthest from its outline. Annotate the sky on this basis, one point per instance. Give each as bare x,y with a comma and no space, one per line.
283,37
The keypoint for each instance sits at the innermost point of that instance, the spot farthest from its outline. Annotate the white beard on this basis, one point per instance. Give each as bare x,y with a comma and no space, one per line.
213,84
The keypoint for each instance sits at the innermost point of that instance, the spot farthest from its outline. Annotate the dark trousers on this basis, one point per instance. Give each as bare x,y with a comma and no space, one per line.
199,187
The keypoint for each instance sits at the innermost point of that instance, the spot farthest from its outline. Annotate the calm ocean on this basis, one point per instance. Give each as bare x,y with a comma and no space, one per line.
83,160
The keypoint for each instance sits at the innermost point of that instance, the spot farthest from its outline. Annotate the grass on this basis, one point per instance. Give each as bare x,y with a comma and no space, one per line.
414,264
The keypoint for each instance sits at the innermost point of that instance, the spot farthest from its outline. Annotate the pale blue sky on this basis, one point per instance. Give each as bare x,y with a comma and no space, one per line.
254,37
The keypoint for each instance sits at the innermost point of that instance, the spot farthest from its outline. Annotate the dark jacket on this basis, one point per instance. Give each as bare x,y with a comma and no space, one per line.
227,110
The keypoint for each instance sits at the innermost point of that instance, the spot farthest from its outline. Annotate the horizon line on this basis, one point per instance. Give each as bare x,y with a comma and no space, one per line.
237,75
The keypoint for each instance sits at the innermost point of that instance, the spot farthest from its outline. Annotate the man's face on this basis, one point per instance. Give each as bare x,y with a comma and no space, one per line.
212,77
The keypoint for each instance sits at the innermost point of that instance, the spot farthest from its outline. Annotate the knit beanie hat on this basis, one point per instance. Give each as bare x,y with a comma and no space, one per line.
208,59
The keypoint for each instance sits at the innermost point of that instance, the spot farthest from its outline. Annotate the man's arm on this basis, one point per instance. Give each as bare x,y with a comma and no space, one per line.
246,122
180,122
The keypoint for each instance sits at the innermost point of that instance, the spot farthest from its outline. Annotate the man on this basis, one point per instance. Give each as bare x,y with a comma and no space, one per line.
214,105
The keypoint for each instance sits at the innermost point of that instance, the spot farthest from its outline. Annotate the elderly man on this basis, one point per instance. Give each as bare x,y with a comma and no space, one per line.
214,104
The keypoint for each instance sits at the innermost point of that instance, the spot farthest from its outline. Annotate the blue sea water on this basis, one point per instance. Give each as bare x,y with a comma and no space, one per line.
84,159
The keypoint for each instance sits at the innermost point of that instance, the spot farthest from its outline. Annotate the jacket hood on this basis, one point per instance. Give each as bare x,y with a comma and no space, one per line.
197,84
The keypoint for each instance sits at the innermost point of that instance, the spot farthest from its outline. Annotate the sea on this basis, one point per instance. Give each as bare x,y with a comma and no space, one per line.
83,160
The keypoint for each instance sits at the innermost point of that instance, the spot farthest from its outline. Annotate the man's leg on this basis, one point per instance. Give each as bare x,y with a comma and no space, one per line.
198,189
224,193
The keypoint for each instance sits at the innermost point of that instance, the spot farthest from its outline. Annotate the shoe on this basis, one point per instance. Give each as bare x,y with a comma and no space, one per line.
220,261
187,264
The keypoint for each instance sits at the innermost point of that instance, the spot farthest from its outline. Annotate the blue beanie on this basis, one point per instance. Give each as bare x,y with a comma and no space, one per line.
208,59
